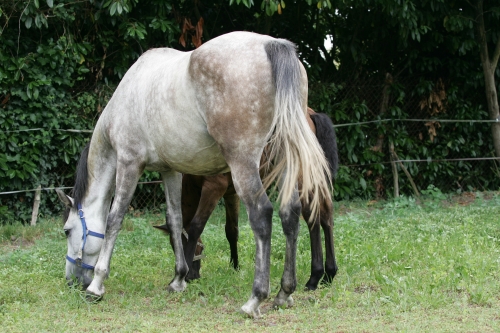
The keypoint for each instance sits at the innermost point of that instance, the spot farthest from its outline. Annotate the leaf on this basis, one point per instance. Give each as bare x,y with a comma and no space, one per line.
50,3
28,22
38,23
112,9
362,181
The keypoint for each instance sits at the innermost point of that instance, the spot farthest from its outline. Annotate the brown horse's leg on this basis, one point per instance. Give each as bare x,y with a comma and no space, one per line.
212,190
317,268
329,270
232,203
327,225
191,193
289,215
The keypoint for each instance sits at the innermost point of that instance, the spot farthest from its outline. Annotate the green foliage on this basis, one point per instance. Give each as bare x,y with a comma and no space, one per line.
365,172
58,68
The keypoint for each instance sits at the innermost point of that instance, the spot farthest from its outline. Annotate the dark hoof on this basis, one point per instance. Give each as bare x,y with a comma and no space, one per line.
329,275
89,297
311,285
192,277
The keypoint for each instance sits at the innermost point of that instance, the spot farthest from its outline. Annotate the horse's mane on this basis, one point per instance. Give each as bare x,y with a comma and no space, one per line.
81,179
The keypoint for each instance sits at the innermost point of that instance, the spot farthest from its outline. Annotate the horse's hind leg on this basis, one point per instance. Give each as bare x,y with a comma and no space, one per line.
317,268
327,224
249,187
172,182
232,204
289,215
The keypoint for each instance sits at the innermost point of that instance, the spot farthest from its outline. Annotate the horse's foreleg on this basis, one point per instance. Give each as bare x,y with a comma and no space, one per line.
172,182
232,203
191,194
127,176
212,190
327,225
260,210
289,215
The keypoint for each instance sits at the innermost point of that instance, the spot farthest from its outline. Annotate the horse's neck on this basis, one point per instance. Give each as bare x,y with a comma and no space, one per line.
101,182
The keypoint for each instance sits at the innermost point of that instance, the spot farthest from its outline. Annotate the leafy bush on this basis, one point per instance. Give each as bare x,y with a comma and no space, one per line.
59,64
365,172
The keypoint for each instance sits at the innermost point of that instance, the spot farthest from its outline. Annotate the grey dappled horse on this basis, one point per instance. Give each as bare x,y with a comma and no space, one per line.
202,112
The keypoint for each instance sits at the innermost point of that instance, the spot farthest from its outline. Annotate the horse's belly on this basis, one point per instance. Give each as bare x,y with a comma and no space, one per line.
196,157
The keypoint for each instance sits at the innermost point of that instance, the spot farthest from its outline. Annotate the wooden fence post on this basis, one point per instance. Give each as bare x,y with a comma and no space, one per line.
36,205
395,176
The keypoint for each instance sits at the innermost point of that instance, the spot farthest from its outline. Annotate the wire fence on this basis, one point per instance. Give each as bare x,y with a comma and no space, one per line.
376,159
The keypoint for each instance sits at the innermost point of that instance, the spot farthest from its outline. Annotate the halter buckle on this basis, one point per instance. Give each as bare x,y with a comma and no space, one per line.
78,262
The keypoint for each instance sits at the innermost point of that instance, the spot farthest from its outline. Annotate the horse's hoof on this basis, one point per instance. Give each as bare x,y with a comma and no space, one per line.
96,293
289,302
328,277
90,297
176,287
311,286
192,277
251,308
252,313
283,301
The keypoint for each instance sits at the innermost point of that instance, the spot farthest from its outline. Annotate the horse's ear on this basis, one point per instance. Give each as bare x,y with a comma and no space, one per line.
163,228
65,199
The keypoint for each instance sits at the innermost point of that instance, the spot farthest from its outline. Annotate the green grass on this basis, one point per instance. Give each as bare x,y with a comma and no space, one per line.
404,267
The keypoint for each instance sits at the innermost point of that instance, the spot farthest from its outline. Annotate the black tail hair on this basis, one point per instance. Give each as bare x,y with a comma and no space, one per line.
325,133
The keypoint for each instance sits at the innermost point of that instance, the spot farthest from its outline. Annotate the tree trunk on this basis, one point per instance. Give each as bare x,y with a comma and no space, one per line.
384,105
489,66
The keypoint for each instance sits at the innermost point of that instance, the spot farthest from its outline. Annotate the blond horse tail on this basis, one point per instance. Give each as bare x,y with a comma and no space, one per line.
293,151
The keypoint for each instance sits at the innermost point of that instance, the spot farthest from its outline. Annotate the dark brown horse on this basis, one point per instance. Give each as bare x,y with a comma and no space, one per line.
200,195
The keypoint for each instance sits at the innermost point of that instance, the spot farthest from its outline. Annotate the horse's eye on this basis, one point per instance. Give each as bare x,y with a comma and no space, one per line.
66,231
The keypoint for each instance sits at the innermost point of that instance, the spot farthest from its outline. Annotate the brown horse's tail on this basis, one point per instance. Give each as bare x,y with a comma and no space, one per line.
325,133
292,147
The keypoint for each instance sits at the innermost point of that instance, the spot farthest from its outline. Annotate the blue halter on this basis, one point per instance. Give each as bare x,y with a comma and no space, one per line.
78,261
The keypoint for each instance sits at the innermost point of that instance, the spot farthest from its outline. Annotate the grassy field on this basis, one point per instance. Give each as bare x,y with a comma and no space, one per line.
404,267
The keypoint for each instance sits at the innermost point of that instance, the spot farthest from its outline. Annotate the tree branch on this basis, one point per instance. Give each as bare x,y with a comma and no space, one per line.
496,55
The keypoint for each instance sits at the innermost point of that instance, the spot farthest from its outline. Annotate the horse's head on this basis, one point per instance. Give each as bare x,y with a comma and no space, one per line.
84,242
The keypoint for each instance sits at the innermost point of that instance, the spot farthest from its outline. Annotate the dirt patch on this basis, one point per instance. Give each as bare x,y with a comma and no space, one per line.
361,289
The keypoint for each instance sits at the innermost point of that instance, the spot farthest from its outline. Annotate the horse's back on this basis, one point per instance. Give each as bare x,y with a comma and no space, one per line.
178,110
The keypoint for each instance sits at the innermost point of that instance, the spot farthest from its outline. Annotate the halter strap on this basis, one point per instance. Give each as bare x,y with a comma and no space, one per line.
78,261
